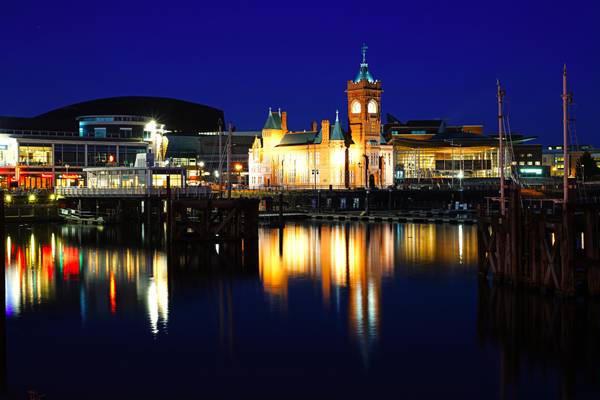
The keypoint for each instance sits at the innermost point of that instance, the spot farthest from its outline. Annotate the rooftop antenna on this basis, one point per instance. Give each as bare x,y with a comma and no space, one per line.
500,94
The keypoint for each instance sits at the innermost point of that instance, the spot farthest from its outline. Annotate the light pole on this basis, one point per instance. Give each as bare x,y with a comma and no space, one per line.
67,174
315,172
201,166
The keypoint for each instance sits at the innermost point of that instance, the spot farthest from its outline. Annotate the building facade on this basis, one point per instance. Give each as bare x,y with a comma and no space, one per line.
553,159
431,149
50,150
44,161
326,156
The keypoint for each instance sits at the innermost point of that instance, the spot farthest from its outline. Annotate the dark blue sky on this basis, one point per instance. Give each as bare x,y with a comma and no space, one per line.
437,59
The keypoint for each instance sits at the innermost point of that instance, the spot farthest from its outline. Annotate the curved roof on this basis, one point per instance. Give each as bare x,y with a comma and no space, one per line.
364,74
177,115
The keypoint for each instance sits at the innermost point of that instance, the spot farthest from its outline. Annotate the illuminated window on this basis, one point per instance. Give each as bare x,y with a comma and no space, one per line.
355,107
100,132
35,154
125,132
372,107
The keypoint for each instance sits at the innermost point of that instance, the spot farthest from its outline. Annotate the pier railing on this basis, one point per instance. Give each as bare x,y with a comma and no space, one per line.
192,191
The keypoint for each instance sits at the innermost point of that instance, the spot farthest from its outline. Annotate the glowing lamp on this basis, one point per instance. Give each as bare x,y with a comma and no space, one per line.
31,198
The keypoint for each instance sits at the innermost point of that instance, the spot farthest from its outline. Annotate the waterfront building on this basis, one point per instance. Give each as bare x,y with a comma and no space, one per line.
326,156
553,159
51,149
433,149
202,156
134,177
51,159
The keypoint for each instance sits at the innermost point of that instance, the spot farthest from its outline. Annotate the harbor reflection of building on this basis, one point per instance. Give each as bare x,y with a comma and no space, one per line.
537,334
354,258
107,280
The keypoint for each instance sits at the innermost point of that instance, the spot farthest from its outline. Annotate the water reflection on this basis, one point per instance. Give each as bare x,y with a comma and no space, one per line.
385,308
354,259
538,333
44,267
116,271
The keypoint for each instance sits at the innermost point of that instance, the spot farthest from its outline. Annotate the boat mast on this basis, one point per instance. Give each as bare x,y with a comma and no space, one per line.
500,96
566,164
220,168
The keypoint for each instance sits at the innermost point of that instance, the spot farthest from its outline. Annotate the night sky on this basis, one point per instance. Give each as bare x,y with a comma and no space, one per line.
436,59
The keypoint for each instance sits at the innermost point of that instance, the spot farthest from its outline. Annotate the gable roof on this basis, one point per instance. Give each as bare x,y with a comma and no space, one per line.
336,131
273,121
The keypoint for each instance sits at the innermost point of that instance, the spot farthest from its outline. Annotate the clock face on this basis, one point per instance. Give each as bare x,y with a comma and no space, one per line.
372,107
355,107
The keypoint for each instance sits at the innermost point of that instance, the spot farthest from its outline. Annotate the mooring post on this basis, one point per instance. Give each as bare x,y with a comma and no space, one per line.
170,218
592,252
318,201
281,208
567,247
148,210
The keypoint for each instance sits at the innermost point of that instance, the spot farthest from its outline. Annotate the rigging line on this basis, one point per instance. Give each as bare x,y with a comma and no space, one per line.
509,142
572,128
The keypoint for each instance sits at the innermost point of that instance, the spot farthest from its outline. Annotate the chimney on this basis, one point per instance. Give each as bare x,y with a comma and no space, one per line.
284,121
325,129
313,126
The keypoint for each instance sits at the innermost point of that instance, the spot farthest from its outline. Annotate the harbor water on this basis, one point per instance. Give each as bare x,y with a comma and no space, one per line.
328,310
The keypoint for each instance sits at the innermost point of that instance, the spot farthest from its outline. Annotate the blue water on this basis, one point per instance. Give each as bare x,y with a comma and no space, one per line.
348,310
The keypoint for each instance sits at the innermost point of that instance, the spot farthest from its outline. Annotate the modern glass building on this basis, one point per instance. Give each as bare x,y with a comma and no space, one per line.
44,161
430,149
51,149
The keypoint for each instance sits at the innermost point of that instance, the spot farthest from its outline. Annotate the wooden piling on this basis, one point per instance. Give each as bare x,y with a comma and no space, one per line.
545,252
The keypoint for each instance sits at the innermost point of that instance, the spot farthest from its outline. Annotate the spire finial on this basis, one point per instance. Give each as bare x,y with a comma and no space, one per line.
270,112
337,116
279,110
364,49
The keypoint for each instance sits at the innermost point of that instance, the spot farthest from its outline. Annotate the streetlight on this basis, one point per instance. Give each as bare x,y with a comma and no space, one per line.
201,166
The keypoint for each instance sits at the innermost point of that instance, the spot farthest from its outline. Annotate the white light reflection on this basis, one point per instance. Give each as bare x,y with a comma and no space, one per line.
158,294
460,244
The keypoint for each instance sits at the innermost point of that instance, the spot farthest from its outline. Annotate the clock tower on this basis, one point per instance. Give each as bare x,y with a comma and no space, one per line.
364,120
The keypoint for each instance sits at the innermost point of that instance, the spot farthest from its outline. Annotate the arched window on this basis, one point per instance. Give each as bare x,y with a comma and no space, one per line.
372,107
355,107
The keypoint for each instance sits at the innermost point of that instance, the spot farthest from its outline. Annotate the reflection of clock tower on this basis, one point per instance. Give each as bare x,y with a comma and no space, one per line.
364,117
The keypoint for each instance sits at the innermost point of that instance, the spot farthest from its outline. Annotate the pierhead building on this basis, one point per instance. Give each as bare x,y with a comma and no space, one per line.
327,156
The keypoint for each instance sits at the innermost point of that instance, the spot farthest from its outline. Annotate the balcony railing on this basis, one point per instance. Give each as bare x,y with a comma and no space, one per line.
191,191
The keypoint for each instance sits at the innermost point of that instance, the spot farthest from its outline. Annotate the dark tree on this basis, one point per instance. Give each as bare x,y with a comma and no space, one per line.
587,167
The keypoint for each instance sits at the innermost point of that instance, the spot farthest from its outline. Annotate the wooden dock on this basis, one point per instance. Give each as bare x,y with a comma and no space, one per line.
212,219
557,252
421,217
